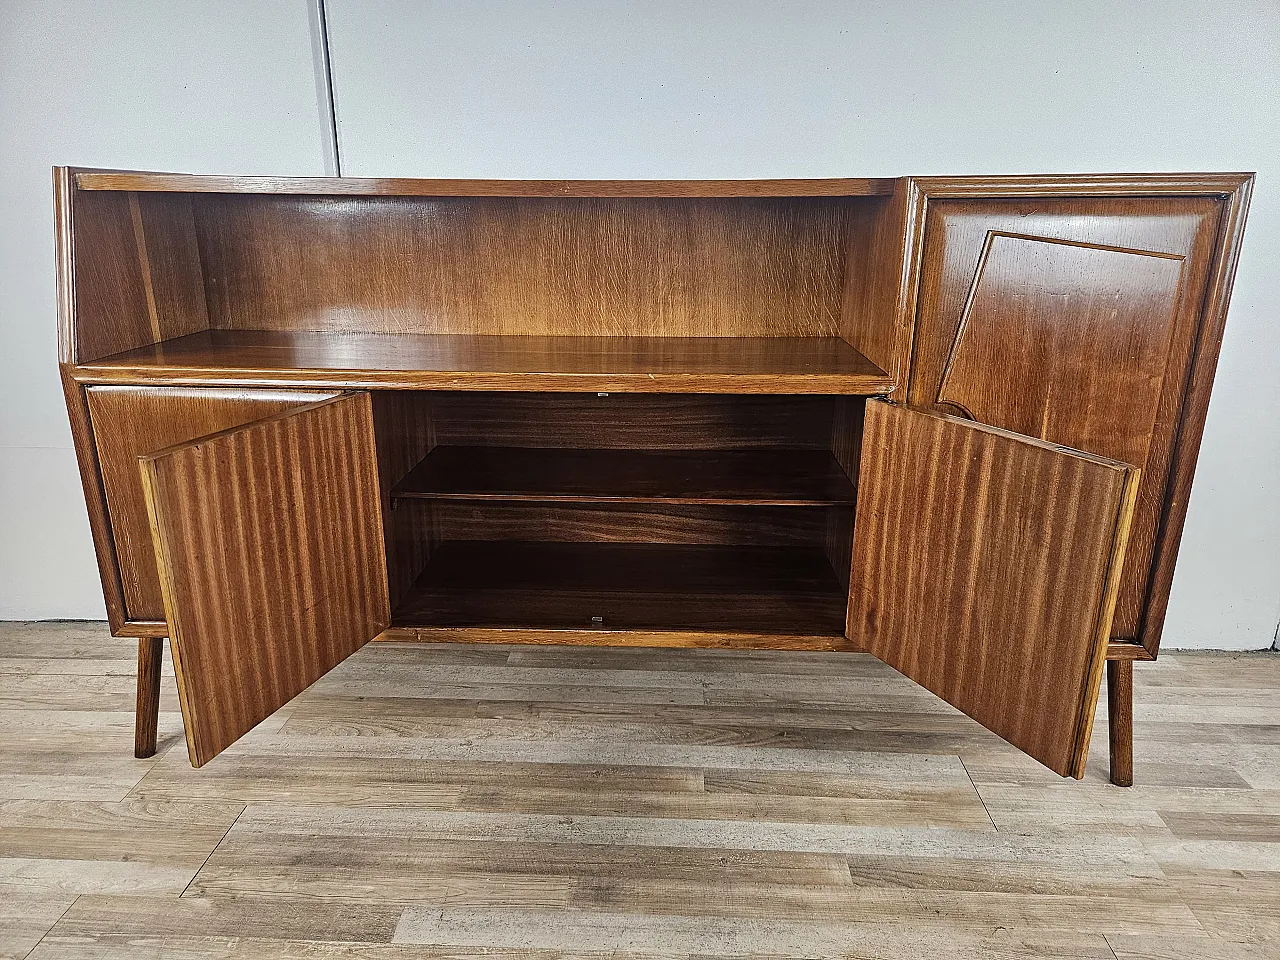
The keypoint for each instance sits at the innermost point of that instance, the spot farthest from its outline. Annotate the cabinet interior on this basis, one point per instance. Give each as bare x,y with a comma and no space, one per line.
605,511
688,460
741,290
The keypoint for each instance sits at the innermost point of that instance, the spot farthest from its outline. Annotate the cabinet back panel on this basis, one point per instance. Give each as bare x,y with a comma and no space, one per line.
630,421
745,526
728,267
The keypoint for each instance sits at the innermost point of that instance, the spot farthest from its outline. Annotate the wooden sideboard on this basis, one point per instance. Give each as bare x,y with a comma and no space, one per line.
951,422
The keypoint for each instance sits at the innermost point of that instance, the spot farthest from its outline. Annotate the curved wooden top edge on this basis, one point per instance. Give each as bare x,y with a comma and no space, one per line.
87,179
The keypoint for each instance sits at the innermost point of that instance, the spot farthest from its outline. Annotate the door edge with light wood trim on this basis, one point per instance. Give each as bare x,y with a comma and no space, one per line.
269,542
985,568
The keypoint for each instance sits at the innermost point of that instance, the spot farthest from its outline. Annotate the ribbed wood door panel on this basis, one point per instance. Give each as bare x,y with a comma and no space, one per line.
269,542
985,568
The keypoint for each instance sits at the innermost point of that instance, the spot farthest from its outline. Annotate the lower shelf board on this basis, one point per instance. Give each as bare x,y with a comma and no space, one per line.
626,586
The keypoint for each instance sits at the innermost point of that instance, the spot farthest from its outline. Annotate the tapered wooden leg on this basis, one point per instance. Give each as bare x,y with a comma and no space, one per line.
1120,720
147,719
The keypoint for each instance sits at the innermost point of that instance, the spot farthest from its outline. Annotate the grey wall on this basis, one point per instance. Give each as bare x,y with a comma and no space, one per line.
654,89
169,85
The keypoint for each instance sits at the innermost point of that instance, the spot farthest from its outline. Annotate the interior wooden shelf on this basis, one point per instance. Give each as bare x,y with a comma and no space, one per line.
627,586
784,365
749,477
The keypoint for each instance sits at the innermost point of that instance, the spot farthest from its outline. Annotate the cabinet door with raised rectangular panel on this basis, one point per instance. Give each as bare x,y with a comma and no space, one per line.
985,567
269,543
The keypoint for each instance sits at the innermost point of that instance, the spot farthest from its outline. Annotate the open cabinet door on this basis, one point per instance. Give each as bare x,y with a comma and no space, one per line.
269,542
985,568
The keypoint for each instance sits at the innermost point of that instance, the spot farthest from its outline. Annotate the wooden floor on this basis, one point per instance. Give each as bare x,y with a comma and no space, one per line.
428,801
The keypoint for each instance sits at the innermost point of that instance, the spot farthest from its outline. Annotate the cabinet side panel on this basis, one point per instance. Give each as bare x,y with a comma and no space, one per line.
1195,410
104,546
404,425
872,318
846,447
111,309
136,272
170,258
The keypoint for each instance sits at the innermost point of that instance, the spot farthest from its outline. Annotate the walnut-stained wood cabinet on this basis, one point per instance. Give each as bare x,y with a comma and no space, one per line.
951,422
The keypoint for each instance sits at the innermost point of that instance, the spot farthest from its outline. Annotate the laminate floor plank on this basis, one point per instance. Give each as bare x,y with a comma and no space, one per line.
387,868
1235,904
69,640
409,718
540,803
724,663
100,918
26,916
73,691
69,847
1134,947
624,934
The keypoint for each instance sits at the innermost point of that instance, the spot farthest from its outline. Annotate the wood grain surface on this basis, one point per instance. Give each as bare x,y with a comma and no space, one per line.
873,316
433,801
130,272
781,365
268,538
759,477
626,586
404,428
626,421
129,422
95,500
528,267
105,308
1066,342
90,179
150,658
762,636
985,567
1120,711
725,524
1136,365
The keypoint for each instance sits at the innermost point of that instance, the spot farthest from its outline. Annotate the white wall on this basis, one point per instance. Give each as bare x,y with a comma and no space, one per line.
654,89
223,87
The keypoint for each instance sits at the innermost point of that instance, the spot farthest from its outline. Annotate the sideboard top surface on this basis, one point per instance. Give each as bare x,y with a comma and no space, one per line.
407,186
1079,184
